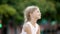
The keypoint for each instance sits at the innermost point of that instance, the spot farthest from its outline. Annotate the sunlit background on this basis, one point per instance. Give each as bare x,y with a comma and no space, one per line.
12,19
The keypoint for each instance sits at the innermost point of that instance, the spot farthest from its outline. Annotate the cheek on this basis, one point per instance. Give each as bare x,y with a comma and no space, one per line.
37,14
34,15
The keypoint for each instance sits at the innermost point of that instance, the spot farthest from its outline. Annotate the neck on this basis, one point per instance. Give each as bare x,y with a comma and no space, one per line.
33,21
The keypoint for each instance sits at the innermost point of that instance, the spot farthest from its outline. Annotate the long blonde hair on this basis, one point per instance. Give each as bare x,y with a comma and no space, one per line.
27,11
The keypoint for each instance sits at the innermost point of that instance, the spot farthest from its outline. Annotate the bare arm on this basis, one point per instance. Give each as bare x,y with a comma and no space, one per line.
28,30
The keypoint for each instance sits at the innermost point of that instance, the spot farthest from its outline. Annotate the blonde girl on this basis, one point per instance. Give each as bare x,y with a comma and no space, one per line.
31,15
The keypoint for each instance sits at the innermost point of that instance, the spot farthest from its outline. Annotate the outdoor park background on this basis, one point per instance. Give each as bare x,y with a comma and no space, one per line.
12,19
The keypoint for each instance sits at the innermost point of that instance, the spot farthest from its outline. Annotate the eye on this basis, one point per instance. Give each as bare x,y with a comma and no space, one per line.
38,11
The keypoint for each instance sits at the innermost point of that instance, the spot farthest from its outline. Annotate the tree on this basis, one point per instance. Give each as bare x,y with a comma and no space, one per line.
17,7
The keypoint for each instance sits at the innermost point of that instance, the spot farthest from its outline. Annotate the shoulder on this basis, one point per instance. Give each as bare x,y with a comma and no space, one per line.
26,26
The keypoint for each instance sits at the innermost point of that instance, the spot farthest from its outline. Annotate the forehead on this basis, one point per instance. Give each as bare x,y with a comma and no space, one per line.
37,9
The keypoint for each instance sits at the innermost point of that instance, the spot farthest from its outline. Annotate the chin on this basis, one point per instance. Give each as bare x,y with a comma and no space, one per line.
39,17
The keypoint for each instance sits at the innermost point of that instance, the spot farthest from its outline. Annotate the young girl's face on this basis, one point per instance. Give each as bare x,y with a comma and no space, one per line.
36,14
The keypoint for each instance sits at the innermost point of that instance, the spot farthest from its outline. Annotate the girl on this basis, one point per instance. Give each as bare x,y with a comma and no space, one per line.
31,15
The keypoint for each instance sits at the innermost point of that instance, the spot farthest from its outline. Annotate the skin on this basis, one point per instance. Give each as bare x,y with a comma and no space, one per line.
34,17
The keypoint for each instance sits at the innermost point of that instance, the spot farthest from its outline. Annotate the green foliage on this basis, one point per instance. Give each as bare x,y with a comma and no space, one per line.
6,9
15,8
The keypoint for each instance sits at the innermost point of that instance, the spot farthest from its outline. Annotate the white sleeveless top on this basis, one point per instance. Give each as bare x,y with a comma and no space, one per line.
33,29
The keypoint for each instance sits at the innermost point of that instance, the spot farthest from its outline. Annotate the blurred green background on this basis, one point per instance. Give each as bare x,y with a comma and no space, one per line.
11,11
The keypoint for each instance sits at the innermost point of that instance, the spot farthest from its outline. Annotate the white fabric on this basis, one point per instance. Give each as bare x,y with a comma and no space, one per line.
33,29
